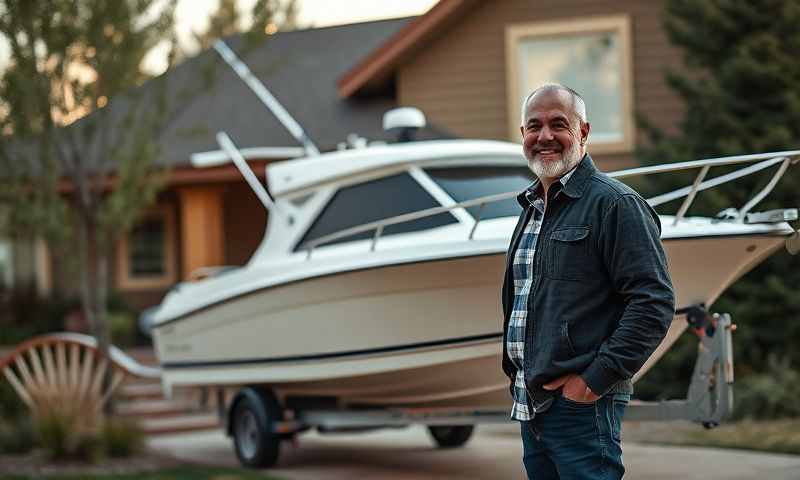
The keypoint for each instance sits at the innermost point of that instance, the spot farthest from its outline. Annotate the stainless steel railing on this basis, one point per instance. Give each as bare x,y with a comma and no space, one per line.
764,161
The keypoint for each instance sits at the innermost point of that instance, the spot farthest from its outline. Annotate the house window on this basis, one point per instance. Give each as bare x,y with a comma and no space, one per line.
592,56
146,255
372,201
146,248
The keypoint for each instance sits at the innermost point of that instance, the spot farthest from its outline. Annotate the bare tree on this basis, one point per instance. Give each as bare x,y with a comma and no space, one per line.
78,146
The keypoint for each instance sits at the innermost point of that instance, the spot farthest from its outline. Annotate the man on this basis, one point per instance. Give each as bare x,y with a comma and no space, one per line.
586,297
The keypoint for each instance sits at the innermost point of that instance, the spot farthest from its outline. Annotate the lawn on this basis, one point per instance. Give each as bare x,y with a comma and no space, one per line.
174,473
778,436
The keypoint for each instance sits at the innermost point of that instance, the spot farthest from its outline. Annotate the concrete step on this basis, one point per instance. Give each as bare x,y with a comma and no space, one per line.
141,391
154,408
189,410
180,423
144,355
131,380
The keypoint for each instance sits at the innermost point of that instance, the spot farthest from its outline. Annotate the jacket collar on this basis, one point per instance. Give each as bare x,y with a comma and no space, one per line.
574,187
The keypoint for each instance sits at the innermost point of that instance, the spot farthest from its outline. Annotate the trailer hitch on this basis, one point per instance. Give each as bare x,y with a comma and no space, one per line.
699,320
709,398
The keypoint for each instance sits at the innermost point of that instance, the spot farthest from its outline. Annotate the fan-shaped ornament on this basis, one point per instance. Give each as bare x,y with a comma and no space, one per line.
63,374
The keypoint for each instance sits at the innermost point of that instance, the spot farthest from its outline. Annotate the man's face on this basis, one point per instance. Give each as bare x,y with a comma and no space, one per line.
552,134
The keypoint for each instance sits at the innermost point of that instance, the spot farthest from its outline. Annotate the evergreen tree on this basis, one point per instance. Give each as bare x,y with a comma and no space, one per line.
741,89
78,138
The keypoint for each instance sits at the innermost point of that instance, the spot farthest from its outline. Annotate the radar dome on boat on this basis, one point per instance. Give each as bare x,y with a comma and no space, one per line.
406,120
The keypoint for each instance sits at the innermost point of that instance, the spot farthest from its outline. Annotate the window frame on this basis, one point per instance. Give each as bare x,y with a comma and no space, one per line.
300,240
125,280
617,24
456,166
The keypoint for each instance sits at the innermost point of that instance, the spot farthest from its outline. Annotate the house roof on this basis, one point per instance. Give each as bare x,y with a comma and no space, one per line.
300,69
376,68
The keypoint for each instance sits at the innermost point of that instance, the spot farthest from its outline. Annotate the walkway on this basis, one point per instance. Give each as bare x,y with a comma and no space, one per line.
494,452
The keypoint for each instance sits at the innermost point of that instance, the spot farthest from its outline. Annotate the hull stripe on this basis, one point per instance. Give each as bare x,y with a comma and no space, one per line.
325,356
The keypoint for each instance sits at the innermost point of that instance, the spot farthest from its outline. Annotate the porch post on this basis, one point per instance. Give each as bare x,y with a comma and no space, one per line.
202,238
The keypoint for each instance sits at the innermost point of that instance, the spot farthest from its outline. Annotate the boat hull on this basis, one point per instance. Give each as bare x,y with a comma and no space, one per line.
422,334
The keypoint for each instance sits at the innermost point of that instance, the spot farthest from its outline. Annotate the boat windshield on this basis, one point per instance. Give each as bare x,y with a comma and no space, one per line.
372,201
469,182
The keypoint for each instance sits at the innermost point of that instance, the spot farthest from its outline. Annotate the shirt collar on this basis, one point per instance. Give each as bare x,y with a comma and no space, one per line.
565,178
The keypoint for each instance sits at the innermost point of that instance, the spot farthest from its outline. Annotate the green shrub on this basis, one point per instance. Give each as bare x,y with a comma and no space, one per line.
122,438
11,406
16,429
53,432
65,437
88,448
16,435
24,314
123,328
769,395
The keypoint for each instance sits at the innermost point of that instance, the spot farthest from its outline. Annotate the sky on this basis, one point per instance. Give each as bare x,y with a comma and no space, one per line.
192,15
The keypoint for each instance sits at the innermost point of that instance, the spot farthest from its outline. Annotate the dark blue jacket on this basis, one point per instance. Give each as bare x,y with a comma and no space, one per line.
602,298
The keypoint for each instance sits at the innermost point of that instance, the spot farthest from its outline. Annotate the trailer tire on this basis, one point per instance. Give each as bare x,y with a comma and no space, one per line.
252,417
451,436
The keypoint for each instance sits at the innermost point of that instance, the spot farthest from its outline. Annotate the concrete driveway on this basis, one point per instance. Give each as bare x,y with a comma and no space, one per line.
494,452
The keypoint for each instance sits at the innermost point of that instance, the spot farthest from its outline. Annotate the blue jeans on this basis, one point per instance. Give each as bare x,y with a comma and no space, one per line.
572,441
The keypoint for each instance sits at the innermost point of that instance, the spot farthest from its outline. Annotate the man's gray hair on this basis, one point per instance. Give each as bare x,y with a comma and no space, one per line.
578,104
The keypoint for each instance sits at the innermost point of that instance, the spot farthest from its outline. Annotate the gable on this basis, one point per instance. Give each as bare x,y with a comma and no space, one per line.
464,78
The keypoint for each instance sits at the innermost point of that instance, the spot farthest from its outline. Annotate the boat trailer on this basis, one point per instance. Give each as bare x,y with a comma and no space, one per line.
257,423
709,398
67,369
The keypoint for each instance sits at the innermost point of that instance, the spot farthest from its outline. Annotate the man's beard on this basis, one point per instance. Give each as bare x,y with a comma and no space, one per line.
569,158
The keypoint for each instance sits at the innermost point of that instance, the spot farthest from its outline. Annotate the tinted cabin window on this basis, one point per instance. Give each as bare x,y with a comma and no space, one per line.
376,200
467,183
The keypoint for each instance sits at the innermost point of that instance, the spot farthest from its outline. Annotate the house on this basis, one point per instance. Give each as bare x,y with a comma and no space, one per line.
466,63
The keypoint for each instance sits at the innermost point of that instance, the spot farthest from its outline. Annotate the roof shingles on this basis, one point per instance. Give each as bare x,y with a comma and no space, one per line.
300,69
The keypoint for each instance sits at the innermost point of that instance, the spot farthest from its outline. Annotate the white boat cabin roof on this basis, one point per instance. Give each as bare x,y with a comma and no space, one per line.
294,176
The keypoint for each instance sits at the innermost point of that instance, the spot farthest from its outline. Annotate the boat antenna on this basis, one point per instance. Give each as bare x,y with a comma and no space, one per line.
227,145
266,97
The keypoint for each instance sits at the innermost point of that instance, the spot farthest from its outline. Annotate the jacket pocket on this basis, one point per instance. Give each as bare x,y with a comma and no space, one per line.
568,253
565,337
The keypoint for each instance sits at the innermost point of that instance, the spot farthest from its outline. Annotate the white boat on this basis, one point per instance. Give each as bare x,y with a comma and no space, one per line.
374,297
377,282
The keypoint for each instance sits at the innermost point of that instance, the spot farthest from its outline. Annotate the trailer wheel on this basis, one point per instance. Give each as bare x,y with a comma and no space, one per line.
256,445
451,436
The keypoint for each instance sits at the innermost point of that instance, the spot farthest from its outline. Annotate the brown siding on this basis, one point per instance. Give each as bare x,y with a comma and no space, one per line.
245,223
459,80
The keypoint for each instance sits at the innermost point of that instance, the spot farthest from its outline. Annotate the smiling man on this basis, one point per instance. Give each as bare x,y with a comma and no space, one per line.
586,297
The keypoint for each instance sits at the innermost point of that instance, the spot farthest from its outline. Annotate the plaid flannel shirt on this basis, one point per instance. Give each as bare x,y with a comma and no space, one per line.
524,276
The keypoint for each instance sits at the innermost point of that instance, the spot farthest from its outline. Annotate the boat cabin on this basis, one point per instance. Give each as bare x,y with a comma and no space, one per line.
318,200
